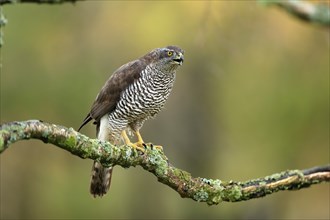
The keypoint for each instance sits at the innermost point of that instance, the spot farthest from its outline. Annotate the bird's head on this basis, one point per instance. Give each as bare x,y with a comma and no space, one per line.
168,58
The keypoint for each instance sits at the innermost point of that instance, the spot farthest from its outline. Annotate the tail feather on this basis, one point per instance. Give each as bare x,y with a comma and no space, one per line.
86,120
101,176
101,179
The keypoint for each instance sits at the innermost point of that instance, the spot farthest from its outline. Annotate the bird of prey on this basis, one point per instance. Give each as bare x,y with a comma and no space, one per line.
135,92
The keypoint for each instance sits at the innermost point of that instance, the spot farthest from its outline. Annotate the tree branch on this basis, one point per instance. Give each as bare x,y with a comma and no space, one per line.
199,189
306,11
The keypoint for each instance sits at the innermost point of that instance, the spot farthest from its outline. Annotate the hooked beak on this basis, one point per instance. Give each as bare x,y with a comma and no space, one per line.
179,59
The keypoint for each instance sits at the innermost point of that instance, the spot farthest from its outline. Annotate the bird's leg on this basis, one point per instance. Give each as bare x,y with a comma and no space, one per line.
129,143
140,141
139,137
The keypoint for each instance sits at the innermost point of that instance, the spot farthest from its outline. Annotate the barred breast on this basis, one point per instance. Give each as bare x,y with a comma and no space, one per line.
146,96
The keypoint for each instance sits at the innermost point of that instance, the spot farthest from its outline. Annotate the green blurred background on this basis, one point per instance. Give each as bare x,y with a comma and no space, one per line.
251,99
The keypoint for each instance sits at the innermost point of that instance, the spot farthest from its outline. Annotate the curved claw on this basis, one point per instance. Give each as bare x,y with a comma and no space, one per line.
157,147
137,146
140,145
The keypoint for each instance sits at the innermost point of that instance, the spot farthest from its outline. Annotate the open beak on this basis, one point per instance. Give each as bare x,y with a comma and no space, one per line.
179,58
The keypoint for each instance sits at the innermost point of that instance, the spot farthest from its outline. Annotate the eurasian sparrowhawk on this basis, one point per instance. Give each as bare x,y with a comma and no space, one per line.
134,93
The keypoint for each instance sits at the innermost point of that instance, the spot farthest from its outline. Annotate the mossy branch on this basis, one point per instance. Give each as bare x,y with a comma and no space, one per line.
211,191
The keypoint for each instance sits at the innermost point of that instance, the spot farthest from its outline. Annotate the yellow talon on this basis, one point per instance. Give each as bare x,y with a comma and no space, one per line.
158,147
141,142
138,145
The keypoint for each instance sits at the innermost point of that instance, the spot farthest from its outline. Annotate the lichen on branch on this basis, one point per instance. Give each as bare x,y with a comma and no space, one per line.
211,191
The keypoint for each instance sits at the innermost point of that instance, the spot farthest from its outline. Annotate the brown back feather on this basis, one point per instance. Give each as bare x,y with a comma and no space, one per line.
107,99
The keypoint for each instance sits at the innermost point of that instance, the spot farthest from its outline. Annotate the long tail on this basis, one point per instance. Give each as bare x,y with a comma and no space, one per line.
101,179
101,176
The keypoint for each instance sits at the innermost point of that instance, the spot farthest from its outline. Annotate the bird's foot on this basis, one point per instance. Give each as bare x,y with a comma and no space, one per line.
142,147
138,146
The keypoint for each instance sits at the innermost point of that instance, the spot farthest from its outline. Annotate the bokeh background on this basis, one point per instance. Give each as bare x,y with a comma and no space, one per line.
251,99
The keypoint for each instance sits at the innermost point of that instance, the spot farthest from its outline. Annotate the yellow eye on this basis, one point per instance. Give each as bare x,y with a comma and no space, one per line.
169,53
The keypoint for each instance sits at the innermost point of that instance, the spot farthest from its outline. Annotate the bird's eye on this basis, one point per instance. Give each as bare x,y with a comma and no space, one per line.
169,53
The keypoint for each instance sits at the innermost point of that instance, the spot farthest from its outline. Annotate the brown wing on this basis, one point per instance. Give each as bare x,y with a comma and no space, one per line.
107,99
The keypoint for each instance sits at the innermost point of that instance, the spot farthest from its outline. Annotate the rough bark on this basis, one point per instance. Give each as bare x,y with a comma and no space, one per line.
211,191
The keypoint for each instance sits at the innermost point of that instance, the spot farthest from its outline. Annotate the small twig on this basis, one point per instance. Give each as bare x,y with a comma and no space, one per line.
199,189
